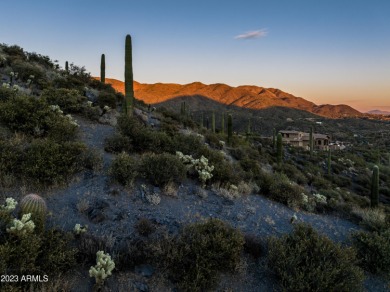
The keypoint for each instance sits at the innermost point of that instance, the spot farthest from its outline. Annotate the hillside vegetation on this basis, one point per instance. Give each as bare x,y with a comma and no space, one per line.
131,196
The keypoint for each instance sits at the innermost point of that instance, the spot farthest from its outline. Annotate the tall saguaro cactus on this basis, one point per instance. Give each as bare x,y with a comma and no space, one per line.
230,129
375,187
129,90
103,69
329,162
279,148
67,67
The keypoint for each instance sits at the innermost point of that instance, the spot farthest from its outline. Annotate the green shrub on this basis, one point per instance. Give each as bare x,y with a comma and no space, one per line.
107,98
202,251
124,169
284,191
69,100
34,117
307,261
161,169
118,143
373,250
56,255
47,162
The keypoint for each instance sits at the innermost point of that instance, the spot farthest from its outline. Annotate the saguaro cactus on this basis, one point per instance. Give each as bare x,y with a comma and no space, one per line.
67,67
103,69
375,187
129,90
230,129
279,148
36,206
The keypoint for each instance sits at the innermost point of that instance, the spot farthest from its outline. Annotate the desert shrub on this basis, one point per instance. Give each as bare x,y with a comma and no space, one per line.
202,251
118,143
11,157
161,169
144,226
6,94
284,191
69,100
88,245
69,82
26,69
373,250
265,181
23,255
370,218
132,252
124,169
188,144
34,117
307,261
56,255
47,162
251,167
292,172
107,98
92,159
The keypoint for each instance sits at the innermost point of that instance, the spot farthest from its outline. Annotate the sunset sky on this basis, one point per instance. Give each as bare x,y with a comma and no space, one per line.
326,51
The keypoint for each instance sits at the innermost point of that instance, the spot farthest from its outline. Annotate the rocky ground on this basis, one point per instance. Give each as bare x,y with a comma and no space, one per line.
111,210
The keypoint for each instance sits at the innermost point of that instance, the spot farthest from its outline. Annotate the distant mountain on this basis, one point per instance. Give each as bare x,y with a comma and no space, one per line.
378,112
246,96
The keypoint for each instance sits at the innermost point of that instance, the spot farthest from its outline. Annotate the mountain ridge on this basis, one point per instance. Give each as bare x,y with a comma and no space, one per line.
245,96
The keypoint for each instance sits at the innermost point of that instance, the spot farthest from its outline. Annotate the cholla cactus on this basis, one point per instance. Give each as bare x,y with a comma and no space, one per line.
103,268
56,109
107,108
79,229
10,205
320,198
89,103
6,85
200,165
72,120
22,227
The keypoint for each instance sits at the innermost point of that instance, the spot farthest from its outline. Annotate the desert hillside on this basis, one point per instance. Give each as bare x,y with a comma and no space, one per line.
246,96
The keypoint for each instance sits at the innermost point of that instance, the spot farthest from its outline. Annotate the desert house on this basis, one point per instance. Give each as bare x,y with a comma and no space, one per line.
302,139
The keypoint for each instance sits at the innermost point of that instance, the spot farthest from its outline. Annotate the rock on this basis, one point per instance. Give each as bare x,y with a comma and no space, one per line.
144,270
109,118
141,286
96,212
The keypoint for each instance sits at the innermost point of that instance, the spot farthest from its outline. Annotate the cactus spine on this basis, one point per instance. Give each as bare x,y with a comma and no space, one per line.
35,205
129,91
230,129
279,148
103,69
329,162
375,187
213,122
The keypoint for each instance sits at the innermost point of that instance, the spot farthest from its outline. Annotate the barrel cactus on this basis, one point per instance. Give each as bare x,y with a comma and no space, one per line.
36,206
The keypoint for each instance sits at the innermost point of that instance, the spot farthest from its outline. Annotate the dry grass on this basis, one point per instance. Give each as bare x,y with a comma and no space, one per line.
170,189
371,218
83,205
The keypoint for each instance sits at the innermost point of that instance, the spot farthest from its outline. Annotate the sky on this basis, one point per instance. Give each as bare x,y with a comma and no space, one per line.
326,51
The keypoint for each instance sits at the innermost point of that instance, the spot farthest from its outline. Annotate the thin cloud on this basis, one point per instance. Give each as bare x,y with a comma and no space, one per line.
252,34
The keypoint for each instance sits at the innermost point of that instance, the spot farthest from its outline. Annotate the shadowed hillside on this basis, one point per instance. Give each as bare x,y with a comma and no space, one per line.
251,97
